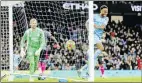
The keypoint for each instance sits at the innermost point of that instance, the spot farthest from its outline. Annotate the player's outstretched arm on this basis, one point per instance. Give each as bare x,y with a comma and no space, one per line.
49,35
52,37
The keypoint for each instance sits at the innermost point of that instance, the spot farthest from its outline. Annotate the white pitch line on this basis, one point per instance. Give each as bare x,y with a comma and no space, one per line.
49,77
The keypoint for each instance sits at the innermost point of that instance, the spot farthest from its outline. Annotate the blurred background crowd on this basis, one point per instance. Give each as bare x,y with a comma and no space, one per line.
123,45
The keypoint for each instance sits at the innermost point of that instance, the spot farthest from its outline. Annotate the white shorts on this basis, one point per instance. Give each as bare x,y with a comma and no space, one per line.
97,39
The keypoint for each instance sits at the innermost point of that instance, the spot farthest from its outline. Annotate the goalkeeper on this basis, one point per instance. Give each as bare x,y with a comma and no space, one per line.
35,40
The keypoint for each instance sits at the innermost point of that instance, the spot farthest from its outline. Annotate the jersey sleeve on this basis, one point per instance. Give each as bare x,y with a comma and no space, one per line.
106,21
42,40
48,34
24,38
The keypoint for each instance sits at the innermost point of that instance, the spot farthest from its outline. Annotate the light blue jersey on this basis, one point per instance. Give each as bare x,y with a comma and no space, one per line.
99,21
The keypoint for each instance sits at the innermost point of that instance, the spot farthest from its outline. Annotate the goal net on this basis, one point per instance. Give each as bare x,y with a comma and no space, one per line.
65,20
4,40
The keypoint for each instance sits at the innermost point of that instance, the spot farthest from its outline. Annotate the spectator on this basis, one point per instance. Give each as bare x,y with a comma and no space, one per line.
139,63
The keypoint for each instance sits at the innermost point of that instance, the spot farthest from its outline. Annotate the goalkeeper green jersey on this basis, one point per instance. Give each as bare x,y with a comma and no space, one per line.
35,38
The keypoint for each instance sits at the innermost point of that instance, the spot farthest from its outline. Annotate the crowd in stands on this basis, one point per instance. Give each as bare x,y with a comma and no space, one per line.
122,45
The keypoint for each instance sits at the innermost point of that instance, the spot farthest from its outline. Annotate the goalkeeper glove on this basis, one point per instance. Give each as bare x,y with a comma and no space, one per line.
37,53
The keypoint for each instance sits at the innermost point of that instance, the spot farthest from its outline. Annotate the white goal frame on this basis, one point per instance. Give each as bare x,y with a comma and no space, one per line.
91,44
10,4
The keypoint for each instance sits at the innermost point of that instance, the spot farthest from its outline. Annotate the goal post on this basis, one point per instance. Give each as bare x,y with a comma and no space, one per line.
91,43
11,41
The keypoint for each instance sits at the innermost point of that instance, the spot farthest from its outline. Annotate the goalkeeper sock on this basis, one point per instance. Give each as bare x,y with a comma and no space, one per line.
40,67
43,67
97,53
102,70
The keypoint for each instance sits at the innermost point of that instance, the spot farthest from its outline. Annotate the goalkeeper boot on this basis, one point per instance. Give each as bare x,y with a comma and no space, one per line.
41,77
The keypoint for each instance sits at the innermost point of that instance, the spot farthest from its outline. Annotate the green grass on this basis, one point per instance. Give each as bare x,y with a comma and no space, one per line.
120,79
98,79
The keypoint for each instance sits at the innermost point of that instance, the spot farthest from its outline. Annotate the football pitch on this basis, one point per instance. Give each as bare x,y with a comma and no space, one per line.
77,79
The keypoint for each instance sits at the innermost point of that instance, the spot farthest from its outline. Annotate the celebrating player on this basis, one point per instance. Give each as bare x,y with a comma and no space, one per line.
44,54
35,40
100,22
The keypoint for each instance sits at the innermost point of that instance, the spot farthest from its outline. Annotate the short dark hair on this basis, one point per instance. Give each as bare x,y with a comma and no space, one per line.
103,6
